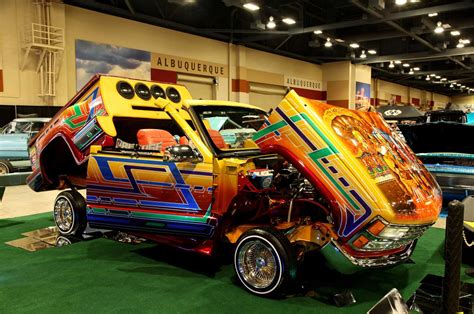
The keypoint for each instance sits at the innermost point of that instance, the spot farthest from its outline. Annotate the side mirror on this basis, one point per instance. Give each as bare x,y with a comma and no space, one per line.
179,153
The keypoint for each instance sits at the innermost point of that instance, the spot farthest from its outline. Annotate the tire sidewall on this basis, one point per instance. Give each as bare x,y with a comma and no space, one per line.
7,166
77,204
278,254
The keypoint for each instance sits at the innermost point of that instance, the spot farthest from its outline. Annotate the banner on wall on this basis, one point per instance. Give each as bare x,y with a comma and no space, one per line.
94,58
186,65
297,82
362,96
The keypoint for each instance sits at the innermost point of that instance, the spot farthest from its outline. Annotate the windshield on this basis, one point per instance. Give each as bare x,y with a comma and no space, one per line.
231,128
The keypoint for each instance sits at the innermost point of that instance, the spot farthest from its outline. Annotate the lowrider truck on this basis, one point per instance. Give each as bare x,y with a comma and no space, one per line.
307,176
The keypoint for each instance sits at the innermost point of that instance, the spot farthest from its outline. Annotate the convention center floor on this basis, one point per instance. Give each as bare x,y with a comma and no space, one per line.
104,275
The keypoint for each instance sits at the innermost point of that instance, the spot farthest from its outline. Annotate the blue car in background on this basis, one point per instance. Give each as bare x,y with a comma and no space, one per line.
14,139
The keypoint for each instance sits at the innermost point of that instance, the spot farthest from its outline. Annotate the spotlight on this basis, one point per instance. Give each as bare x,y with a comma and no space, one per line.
406,65
460,44
354,45
391,65
416,69
363,55
455,33
411,71
288,21
427,78
328,43
437,77
465,41
251,6
432,75
398,61
372,51
443,79
318,31
439,28
451,85
400,2
433,14
271,23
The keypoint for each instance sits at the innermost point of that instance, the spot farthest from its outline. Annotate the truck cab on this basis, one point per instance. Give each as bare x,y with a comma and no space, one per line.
196,173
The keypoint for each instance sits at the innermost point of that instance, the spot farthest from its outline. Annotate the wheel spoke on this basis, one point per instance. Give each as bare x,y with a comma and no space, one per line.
257,264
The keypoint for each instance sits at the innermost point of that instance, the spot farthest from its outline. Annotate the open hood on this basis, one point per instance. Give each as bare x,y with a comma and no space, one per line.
354,160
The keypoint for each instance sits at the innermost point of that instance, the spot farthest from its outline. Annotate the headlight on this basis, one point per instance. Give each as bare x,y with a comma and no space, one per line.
393,232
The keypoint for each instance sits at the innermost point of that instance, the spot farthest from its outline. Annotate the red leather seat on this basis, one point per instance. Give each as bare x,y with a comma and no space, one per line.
155,136
217,138
183,140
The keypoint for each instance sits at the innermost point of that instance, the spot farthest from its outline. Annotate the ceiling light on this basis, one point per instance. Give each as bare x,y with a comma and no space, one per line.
451,85
271,23
328,43
339,40
406,65
391,65
411,71
289,21
428,78
400,2
465,41
438,77
439,28
433,14
432,75
458,84
318,31
363,55
460,45
372,51
443,79
455,33
416,69
398,61
251,6
354,45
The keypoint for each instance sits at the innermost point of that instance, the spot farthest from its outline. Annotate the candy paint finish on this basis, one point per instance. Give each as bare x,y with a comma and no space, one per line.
352,159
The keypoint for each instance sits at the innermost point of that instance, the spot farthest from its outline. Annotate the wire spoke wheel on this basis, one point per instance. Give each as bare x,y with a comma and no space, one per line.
69,213
63,214
257,264
264,261
3,169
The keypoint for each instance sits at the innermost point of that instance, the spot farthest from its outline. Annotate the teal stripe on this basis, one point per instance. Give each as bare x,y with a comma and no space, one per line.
295,118
268,130
326,152
320,133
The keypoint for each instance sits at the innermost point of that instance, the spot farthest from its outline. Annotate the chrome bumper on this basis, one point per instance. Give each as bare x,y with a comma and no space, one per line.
347,264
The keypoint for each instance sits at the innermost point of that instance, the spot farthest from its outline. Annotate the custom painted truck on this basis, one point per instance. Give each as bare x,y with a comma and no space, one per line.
306,176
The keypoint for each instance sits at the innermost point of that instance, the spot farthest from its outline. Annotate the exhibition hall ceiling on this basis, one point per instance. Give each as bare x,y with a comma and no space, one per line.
420,43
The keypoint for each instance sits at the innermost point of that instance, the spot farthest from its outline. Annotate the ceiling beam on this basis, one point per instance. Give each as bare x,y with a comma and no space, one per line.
459,25
463,5
401,29
420,56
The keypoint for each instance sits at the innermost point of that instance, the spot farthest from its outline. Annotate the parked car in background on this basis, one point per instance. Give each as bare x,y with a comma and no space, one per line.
14,139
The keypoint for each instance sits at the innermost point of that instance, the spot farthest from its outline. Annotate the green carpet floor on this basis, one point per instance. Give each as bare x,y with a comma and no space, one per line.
106,276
